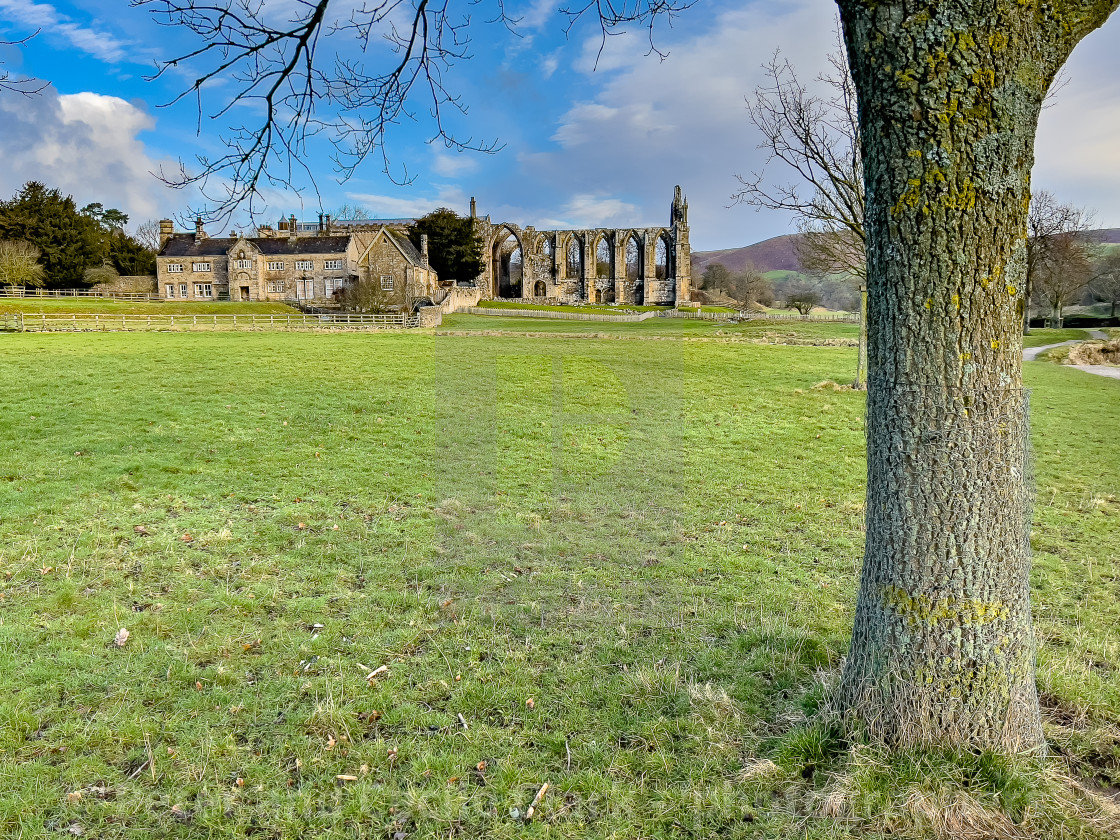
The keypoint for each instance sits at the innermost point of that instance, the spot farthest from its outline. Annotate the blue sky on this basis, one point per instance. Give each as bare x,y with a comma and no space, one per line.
583,145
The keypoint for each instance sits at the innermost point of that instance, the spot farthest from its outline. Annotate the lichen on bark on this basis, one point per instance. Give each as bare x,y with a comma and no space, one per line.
949,96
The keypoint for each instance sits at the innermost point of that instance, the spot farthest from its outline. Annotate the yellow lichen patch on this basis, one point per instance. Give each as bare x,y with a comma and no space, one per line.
995,344
1011,290
909,198
998,42
929,303
919,608
966,357
915,153
957,302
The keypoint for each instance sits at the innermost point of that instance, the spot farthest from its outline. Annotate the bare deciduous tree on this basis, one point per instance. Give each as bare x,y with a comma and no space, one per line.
1062,274
817,138
147,235
1105,284
1057,253
19,264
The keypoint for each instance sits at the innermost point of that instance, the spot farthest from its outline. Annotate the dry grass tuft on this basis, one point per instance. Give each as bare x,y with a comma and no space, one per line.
829,385
1094,353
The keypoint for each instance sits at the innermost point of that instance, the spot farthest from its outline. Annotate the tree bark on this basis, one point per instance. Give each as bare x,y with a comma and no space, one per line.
949,96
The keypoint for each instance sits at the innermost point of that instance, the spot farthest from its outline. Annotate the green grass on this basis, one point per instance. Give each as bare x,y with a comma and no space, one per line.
123,307
761,330
655,542
1040,337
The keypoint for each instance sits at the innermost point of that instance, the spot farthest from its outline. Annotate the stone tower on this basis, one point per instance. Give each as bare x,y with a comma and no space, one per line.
682,251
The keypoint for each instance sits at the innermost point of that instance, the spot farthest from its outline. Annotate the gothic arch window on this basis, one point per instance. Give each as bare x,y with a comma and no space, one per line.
573,266
508,260
661,253
604,258
634,267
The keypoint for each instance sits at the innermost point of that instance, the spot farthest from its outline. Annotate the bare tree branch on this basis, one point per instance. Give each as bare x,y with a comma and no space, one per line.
351,77
26,85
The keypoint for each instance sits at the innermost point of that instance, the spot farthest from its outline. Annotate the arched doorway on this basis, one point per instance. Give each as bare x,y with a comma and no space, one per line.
634,268
507,260
604,270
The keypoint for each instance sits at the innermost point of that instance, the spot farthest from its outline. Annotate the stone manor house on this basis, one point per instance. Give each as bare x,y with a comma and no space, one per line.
302,261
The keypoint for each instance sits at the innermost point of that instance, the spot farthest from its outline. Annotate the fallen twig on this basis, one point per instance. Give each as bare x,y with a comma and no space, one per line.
536,801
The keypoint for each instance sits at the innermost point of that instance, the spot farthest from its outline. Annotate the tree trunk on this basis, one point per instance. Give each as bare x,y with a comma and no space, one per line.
860,383
949,92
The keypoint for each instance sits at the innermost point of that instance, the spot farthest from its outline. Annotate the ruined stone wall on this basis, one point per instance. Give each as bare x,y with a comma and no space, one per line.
546,275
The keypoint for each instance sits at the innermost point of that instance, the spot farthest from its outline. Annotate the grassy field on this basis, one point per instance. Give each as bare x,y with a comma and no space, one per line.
124,307
769,331
1041,337
390,585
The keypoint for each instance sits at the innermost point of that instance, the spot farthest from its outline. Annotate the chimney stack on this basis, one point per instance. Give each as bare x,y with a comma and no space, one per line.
166,231
292,226
328,224
199,233
474,210
320,223
424,248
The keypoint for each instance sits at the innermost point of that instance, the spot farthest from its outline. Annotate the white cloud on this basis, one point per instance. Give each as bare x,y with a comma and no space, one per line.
651,124
96,42
399,207
452,164
85,144
549,63
592,211
1077,154
645,125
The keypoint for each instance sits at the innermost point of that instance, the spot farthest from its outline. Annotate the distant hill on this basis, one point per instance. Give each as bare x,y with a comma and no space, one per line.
780,253
777,254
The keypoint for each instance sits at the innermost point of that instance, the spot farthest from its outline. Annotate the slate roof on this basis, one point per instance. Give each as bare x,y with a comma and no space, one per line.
405,244
184,245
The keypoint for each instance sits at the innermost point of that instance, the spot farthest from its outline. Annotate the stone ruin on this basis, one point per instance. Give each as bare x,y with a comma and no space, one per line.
643,266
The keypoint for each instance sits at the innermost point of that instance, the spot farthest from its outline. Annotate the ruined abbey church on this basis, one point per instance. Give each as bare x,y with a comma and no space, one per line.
313,262
650,266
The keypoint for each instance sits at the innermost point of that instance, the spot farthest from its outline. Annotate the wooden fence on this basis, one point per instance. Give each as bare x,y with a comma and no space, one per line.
20,292
99,322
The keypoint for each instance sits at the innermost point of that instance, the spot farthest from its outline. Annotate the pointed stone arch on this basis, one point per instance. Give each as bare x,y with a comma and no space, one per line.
573,257
633,254
507,261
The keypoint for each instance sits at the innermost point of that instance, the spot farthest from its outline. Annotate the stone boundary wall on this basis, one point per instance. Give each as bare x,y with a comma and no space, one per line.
430,316
459,298
562,316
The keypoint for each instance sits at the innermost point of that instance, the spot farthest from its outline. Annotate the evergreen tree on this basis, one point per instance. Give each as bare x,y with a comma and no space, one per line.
68,241
127,255
454,246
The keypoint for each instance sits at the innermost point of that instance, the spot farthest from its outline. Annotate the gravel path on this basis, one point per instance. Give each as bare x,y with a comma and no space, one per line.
1111,371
